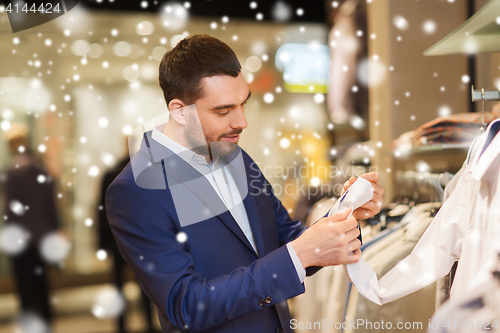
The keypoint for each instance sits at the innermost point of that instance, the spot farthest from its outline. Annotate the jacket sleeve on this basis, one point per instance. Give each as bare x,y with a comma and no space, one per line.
147,239
288,229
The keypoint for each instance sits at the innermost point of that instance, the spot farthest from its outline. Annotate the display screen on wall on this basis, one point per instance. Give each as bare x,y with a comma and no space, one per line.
305,67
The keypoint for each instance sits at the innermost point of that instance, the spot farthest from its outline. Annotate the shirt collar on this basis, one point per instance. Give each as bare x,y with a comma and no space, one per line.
186,154
487,154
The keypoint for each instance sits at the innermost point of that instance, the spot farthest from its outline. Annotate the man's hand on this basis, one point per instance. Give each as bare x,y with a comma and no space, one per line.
329,242
372,207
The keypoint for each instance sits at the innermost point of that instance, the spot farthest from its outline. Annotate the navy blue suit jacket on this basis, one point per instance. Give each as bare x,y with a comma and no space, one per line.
214,281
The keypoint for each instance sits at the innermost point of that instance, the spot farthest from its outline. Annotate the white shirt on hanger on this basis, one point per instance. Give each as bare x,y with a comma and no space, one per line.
466,228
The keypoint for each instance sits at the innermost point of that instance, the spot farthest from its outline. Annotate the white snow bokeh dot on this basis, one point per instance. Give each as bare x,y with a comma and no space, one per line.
93,171
13,239
400,22
268,98
109,303
371,72
17,208
357,122
54,247
88,222
101,254
30,322
282,11
429,27
103,122
181,237
174,16
319,98
422,166
284,143
444,111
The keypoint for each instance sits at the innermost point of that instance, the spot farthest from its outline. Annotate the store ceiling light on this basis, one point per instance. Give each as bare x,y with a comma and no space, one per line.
95,50
158,52
258,47
253,64
176,39
282,11
135,52
131,73
145,28
174,16
149,72
122,49
80,47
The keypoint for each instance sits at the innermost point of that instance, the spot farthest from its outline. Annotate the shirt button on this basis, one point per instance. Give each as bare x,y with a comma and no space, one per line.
262,303
268,300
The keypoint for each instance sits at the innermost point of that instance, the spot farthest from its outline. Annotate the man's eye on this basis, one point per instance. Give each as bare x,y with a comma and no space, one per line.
223,113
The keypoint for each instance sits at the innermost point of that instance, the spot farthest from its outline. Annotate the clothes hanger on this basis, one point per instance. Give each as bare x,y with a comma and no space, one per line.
484,95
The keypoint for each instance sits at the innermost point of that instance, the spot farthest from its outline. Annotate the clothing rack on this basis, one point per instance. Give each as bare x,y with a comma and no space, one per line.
419,187
484,95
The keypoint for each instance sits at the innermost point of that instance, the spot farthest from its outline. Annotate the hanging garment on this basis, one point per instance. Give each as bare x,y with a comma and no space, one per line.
382,257
340,286
460,127
466,229
478,310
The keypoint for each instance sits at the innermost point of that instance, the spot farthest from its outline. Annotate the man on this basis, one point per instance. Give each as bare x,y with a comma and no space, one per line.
29,185
194,217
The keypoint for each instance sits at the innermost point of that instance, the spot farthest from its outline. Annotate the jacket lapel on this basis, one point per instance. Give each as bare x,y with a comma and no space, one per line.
239,172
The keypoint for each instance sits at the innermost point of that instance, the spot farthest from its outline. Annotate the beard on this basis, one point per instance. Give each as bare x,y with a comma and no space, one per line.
219,148
210,145
196,139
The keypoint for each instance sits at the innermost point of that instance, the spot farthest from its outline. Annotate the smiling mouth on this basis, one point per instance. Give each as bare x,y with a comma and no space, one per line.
232,139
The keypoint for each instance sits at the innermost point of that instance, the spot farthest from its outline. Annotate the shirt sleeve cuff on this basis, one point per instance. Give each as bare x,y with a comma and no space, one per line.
301,272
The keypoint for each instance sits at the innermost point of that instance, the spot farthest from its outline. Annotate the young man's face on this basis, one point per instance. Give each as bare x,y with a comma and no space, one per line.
221,112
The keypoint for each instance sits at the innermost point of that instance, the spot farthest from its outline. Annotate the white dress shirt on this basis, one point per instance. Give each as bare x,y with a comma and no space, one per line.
466,228
222,181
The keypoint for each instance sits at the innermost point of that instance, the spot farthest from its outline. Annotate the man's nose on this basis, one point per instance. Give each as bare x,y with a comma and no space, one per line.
239,120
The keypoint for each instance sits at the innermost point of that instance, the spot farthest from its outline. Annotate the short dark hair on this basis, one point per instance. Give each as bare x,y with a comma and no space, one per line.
192,59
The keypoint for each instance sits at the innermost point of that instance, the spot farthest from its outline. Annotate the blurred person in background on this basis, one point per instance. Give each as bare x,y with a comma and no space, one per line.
30,205
108,243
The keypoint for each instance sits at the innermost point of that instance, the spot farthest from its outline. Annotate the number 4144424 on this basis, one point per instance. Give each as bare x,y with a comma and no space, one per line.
43,8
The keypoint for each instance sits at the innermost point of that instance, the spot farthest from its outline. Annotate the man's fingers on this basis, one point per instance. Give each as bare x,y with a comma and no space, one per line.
371,206
354,245
348,183
349,224
377,189
342,216
352,235
371,177
354,257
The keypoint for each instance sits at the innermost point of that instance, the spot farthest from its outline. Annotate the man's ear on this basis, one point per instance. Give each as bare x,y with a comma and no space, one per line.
176,108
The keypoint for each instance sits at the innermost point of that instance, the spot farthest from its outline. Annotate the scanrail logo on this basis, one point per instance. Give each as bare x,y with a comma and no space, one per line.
26,14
